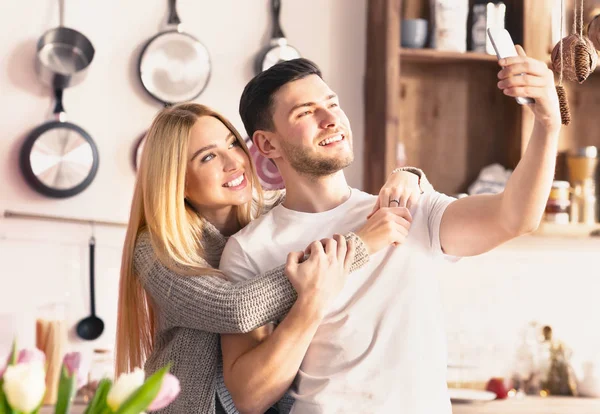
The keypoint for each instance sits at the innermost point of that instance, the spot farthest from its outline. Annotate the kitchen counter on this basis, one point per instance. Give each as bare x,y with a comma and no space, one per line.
532,405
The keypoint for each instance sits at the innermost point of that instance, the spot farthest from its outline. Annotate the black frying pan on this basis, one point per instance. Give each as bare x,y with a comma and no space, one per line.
174,66
278,49
59,159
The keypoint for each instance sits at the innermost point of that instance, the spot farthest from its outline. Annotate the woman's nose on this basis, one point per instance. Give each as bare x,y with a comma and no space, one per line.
233,162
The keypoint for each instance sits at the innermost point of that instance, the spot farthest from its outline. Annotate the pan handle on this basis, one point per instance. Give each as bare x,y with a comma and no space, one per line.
61,13
59,110
275,9
173,16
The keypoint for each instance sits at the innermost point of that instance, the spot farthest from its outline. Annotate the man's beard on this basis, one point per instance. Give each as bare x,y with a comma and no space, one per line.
314,165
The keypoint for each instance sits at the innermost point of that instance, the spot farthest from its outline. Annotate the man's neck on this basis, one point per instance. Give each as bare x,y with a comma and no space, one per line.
315,195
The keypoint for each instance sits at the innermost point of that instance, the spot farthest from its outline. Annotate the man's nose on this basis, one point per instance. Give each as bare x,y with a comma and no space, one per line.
329,119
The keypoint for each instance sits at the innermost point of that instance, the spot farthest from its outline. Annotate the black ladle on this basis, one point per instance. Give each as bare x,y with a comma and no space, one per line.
91,327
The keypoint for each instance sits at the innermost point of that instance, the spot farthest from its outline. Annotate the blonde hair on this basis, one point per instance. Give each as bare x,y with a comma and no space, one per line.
175,228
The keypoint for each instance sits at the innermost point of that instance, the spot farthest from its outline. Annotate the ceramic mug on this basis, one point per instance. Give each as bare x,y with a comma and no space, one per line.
413,33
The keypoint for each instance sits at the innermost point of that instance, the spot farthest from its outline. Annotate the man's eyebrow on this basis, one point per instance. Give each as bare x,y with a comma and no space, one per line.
309,104
208,147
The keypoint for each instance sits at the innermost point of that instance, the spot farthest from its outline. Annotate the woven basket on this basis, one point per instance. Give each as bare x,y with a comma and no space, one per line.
594,31
579,57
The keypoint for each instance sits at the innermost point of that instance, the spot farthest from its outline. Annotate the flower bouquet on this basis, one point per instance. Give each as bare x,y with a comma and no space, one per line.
23,385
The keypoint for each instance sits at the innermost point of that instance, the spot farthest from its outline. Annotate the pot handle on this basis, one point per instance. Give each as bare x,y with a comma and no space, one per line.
59,110
275,10
61,13
173,16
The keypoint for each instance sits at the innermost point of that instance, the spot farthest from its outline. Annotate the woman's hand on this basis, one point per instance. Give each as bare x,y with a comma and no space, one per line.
322,275
402,189
388,226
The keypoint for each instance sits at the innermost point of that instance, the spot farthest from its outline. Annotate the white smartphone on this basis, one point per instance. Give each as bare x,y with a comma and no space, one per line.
504,47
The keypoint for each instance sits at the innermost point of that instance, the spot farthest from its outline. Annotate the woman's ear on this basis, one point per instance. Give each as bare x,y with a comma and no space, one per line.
266,144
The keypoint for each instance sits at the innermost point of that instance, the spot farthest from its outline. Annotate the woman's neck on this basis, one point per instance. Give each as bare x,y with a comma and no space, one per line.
225,220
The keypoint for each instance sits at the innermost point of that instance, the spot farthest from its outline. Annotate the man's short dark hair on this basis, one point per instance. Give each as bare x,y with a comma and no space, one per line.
256,103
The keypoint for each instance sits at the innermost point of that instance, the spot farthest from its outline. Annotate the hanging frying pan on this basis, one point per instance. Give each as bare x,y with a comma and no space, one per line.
63,55
137,151
174,66
59,159
278,49
267,171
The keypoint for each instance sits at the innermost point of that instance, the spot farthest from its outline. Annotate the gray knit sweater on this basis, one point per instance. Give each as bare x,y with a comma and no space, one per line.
191,312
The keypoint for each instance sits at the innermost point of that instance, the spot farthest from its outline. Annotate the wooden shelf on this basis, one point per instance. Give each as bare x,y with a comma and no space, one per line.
439,56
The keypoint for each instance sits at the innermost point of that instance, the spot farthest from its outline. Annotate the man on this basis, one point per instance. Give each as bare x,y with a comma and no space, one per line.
380,348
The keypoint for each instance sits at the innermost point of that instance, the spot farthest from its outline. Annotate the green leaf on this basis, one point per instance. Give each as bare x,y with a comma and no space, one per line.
143,396
66,391
13,353
98,403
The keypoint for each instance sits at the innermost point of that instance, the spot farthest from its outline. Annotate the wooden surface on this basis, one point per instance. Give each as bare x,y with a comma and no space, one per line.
454,121
381,93
433,56
441,111
532,405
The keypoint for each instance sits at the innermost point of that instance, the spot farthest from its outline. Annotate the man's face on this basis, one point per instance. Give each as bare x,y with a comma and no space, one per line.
311,130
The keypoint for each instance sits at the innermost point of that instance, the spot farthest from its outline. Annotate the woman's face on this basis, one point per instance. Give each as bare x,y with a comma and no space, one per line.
217,170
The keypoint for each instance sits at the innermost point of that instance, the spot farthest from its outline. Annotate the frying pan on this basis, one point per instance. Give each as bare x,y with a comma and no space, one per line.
63,55
174,66
267,171
58,158
278,49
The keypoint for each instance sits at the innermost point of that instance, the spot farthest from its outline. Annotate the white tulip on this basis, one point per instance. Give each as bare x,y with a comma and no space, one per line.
25,385
123,387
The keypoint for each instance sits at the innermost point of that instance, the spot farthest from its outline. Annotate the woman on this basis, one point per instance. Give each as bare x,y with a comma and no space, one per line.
173,303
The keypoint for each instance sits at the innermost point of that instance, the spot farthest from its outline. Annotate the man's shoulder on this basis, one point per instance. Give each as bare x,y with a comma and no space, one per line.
256,225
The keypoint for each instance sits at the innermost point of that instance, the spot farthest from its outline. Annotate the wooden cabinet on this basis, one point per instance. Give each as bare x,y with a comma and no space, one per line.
442,111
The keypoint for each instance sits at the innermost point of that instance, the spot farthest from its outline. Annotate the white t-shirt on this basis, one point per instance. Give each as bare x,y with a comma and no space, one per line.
381,347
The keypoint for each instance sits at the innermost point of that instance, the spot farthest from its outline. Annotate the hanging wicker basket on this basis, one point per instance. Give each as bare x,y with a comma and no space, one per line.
579,58
594,31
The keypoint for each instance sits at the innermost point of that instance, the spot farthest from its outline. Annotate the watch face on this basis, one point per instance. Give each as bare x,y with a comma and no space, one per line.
267,172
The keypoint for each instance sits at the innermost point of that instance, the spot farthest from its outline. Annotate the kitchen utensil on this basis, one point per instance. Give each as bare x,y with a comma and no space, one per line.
59,159
91,327
278,49
174,66
267,171
63,55
413,33
582,175
137,151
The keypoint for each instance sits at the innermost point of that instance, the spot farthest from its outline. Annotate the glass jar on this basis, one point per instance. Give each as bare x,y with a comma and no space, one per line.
557,207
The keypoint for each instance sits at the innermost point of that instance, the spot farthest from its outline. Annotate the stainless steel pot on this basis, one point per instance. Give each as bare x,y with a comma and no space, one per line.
63,56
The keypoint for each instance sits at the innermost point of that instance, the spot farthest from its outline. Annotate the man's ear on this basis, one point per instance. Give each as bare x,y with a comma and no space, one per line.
267,144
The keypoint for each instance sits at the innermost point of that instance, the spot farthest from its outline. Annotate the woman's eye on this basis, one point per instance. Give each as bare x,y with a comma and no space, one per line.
333,105
234,144
207,158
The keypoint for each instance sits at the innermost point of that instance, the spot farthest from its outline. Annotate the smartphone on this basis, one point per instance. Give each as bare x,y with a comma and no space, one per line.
504,47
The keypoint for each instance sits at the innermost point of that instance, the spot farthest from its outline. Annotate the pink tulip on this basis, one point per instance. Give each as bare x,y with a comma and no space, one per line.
77,364
31,355
169,390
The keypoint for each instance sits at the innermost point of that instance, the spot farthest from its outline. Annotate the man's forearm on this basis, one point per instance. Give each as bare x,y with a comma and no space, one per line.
527,190
259,377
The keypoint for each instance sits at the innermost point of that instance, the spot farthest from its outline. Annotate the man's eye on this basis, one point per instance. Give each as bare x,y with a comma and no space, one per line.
300,115
207,158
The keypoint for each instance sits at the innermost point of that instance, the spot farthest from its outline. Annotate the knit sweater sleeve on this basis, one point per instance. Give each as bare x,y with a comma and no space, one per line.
214,304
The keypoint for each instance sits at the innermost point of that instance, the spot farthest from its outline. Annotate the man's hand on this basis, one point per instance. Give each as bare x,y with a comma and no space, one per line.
387,226
527,77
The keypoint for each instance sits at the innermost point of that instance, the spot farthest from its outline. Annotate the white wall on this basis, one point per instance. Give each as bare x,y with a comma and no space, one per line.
44,262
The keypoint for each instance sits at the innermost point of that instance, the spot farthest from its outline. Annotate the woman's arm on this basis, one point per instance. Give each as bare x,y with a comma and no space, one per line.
214,304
